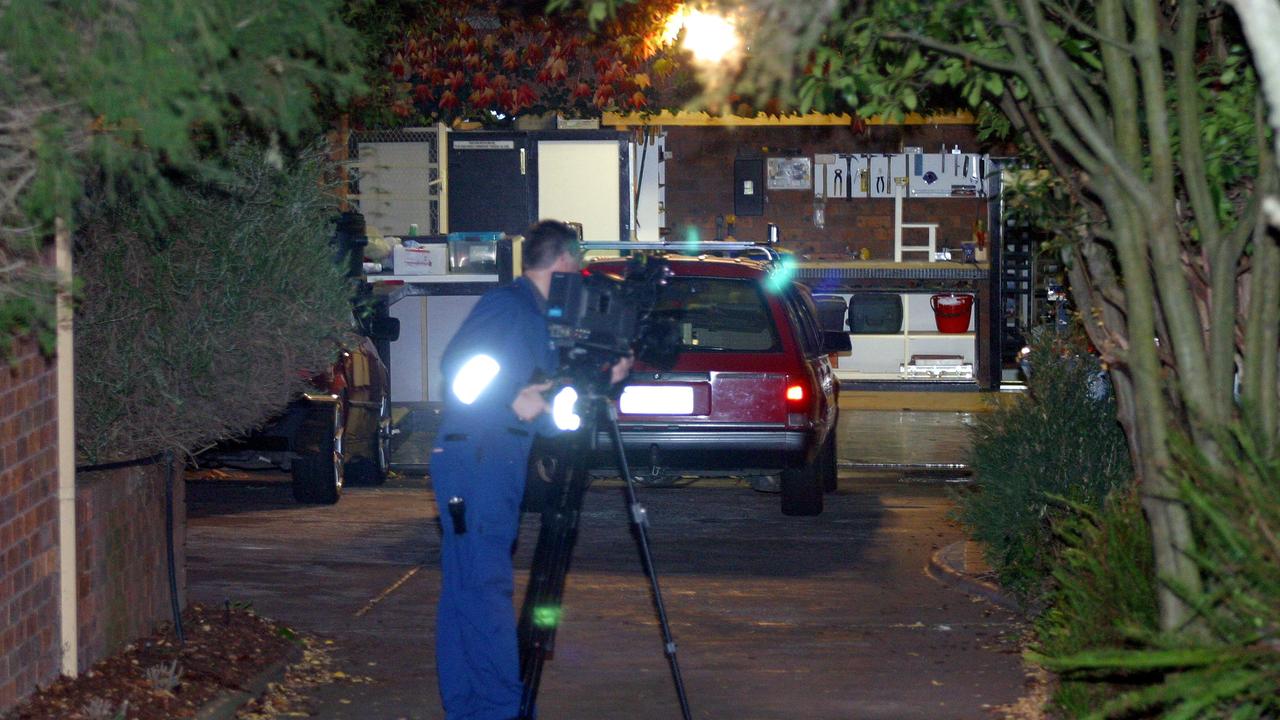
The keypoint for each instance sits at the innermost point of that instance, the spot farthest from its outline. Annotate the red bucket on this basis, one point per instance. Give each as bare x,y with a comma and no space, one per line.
952,312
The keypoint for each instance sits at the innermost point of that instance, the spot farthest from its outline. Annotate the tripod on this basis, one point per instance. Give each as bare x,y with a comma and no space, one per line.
540,612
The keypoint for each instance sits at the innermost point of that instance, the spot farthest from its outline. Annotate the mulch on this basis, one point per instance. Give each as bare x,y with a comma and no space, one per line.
159,679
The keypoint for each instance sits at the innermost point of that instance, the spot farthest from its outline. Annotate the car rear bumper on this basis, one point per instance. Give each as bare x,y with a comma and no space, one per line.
721,448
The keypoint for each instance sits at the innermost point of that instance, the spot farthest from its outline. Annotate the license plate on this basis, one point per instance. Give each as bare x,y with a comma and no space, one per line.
656,400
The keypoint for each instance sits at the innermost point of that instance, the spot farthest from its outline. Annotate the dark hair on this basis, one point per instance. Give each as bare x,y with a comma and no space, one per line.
547,240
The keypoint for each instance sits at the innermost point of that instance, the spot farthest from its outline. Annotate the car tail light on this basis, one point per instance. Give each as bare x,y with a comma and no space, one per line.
798,400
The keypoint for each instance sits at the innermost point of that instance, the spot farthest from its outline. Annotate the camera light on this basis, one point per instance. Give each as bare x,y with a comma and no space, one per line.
473,377
562,409
546,616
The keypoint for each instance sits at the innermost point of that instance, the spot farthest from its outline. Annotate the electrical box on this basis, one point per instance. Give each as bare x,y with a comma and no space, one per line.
748,186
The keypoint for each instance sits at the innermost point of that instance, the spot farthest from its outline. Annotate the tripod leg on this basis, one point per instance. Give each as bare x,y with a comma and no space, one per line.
640,519
540,611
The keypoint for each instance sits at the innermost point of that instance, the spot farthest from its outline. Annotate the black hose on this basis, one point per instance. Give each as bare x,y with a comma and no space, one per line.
168,542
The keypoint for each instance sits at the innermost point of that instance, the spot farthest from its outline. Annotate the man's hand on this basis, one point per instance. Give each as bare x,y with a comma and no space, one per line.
530,403
621,369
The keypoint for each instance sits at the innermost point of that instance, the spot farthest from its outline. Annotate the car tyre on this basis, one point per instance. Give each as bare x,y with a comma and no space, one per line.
828,470
318,478
801,491
373,470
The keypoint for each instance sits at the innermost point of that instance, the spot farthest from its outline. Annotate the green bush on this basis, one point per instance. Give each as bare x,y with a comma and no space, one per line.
1103,596
1060,442
198,330
1228,665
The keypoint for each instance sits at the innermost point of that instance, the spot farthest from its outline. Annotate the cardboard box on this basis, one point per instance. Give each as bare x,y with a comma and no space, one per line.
423,260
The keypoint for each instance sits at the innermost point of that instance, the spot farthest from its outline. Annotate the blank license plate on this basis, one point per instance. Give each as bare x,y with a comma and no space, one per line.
656,400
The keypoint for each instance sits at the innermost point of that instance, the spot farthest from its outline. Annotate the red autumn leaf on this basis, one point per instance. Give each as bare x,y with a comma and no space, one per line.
533,54
525,96
557,69
489,43
582,91
422,93
471,61
470,46
449,100
398,66
638,100
510,59
483,98
401,108
501,83
604,95
602,64
456,80
479,81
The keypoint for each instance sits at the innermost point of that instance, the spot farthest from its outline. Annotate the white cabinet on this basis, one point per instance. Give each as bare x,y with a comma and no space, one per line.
880,356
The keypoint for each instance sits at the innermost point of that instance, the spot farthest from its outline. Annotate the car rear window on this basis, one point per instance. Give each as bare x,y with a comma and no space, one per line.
718,315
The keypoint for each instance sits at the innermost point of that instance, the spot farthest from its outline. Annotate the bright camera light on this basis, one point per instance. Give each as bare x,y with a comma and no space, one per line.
712,38
473,377
562,409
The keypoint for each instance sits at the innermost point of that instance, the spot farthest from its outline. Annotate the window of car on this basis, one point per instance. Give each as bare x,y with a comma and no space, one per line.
718,314
803,315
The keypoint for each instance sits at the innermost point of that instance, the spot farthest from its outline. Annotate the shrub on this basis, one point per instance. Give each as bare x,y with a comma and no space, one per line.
1103,595
1228,665
1059,442
198,330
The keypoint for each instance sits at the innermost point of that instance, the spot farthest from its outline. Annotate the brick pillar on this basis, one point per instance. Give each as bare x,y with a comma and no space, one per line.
29,623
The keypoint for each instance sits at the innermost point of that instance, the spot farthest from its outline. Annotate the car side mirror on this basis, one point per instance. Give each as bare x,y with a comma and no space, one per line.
385,328
836,342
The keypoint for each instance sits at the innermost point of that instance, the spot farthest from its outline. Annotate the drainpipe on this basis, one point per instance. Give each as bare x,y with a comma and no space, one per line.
70,626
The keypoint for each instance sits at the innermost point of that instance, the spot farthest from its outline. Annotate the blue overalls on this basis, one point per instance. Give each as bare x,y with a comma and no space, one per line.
481,455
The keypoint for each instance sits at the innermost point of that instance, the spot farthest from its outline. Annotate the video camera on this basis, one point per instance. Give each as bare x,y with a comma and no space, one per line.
596,318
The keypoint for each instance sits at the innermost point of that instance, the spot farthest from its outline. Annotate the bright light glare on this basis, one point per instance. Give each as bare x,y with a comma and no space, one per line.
473,377
562,410
710,37
656,400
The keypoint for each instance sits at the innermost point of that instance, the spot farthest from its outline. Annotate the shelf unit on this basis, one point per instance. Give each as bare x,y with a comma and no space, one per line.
877,356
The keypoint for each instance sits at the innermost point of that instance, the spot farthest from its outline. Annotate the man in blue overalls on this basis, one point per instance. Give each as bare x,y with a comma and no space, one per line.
495,371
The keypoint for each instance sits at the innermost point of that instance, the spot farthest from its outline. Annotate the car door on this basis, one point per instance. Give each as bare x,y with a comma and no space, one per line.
804,313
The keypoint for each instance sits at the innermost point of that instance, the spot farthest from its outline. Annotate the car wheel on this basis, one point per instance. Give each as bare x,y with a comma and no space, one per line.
801,491
828,470
373,470
318,478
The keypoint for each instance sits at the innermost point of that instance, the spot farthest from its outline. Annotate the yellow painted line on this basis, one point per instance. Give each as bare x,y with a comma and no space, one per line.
703,119
392,588
925,401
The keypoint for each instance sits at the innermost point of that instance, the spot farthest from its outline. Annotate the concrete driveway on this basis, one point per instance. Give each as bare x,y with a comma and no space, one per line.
775,617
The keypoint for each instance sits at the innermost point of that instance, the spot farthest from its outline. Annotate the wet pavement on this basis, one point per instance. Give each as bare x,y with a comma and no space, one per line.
776,617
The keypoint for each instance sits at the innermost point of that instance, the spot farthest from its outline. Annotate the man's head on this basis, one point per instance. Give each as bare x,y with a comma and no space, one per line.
551,245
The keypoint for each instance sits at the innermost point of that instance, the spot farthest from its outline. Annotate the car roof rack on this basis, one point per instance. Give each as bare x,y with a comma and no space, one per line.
685,247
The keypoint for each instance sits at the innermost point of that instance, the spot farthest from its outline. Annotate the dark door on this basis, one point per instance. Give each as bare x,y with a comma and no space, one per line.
489,182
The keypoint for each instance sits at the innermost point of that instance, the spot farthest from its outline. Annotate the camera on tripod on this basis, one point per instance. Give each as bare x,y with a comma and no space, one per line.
596,318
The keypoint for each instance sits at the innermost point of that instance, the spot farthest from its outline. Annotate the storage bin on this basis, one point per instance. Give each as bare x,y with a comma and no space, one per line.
474,252
831,312
875,313
952,312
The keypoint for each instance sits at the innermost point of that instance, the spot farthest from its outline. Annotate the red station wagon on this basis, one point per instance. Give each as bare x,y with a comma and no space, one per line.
752,392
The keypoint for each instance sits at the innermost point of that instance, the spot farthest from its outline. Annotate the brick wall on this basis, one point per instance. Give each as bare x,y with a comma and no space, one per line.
699,179
122,568
29,636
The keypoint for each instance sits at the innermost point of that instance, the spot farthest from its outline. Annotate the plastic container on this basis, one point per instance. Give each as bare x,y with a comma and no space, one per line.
875,313
473,252
952,312
831,310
